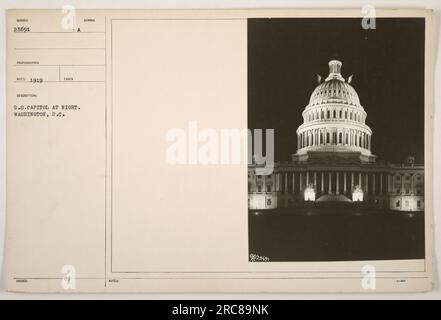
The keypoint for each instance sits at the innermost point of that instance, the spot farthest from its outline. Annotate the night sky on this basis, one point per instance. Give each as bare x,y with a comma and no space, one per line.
284,56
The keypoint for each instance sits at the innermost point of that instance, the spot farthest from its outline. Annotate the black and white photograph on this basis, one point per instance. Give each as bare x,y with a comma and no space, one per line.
346,103
275,151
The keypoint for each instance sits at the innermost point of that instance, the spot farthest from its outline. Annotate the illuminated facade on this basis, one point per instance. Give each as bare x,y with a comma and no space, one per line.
334,162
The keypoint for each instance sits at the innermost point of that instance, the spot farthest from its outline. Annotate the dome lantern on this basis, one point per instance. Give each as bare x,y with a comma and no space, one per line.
334,70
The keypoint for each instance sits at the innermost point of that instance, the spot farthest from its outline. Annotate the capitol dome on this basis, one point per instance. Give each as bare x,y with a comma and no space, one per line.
334,121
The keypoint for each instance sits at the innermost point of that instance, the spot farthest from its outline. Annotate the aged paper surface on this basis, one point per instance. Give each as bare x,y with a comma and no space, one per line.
93,202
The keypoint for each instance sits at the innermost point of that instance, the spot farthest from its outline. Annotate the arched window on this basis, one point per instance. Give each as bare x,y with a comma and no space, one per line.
328,114
334,116
340,114
328,138
340,138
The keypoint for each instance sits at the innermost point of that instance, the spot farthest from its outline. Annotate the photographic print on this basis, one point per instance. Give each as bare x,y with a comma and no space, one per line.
220,150
346,106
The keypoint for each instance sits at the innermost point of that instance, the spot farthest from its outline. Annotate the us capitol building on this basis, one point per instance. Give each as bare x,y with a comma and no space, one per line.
334,161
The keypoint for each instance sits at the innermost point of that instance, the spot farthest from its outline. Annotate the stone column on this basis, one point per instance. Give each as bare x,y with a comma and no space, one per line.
323,182
315,179
307,178
293,183
286,182
344,182
337,183
300,182
387,183
373,183
330,183
381,183
352,181
402,183
367,183
264,183
359,179
280,181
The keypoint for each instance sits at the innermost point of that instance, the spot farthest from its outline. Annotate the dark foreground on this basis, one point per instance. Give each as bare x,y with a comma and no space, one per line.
336,233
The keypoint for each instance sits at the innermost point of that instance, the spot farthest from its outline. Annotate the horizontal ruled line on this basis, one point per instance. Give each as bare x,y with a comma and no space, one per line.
227,278
59,65
63,81
66,32
59,48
